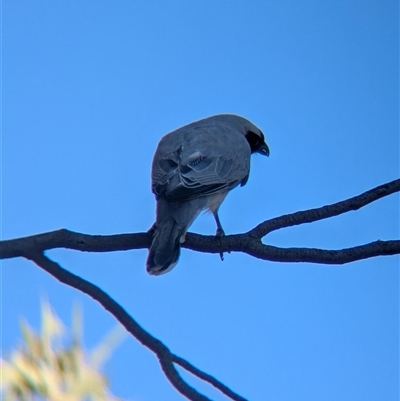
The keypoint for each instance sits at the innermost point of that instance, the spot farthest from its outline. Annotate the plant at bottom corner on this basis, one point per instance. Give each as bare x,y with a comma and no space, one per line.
54,366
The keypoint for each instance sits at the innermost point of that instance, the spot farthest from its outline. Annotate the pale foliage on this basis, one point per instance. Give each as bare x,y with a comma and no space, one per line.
43,368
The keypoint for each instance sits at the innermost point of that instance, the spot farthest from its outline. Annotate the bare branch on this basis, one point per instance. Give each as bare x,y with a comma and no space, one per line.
249,242
165,357
322,256
308,216
64,238
202,243
254,247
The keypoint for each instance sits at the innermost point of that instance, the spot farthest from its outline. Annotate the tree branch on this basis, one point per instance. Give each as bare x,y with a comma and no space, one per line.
249,242
308,216
64,238
254,247
164,355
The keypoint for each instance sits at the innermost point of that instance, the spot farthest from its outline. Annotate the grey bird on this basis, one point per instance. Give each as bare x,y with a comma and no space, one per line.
194,168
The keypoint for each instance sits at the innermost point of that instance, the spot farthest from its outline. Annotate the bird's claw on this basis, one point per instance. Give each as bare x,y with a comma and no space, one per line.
220,233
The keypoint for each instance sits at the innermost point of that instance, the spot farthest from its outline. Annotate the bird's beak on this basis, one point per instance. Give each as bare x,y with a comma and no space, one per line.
263,149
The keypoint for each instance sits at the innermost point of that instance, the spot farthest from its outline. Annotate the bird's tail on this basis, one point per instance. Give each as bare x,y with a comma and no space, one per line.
165,247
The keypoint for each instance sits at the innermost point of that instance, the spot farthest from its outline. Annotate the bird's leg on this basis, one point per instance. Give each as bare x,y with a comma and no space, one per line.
220,231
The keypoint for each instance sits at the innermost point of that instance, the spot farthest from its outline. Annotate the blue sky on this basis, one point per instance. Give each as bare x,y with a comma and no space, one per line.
88,90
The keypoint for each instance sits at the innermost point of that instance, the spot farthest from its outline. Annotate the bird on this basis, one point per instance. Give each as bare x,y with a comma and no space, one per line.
193,169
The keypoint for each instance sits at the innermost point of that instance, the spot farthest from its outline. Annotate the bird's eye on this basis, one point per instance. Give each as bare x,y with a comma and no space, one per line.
254,140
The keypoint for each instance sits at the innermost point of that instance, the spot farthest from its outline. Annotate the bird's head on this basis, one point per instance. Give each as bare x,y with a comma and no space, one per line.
256,140
253,134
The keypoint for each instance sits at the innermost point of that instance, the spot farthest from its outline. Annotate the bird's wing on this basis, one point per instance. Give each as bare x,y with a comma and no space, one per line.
198,161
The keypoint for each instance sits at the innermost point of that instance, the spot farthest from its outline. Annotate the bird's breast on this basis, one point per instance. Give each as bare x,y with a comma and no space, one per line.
214,201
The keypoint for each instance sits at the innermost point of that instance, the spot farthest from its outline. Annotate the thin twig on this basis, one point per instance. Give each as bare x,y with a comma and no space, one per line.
308,216
207,378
